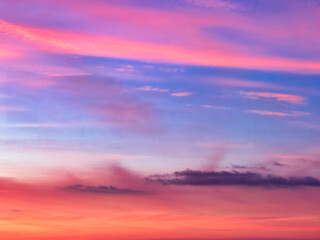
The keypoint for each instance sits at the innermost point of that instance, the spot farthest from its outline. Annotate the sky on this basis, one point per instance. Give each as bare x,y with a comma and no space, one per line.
159,120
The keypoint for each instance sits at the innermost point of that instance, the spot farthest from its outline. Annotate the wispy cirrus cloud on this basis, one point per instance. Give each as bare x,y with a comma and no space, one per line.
56,41
280,97
152,89
279,114
208,106
241,83
213,107
57,124
287,157
182,94
172,93
214,4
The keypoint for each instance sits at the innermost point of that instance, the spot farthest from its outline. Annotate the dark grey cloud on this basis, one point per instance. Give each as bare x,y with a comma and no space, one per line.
101,189
234,178
240,167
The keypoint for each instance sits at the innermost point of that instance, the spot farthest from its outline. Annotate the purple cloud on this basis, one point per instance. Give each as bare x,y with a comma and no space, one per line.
224,178
101,189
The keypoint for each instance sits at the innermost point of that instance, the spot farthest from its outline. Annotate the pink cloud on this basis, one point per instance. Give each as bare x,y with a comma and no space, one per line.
214,4
281,97
280,114
181,94
112,46
244,83
9,52
58,125
287,157
152,89
175,94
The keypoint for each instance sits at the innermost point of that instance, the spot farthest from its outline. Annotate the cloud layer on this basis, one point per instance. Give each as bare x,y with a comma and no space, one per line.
101,189
224,178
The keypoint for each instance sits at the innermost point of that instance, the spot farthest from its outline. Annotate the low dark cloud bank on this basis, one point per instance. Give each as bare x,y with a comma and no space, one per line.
101,189
240,167
224,178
